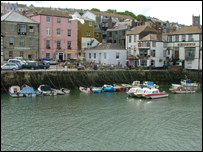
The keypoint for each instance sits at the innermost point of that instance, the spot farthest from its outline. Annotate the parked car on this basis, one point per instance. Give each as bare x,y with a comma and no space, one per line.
43,65
31,65
10,66
49,61
19,62
3,62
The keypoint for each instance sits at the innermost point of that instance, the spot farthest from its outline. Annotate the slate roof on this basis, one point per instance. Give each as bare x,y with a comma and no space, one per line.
111,14
49,12
187,30
13,16
107,46
119,26
139,29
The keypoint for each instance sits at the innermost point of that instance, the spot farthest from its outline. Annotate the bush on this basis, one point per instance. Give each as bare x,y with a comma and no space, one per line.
127,68
101,68
141,68
111,68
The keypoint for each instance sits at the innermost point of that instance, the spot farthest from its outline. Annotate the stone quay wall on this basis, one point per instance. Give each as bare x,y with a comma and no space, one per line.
74,79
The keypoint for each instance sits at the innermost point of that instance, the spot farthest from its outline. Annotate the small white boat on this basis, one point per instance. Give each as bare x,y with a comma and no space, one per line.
85,90
132,90
181,89
126,86
154,93
96,89
15,92
47,90
188,85
59,92
65,90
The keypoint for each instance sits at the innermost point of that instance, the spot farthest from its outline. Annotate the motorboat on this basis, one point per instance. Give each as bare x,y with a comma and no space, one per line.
136,83
181,89
118,87
96,89
28,91
188,85
126,86
109,88
58,91
65,90
132,90
85,90
15,92
46,90
149,84
139,92
154,93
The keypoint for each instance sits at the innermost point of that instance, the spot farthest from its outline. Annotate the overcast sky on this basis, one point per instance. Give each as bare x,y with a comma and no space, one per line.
173,11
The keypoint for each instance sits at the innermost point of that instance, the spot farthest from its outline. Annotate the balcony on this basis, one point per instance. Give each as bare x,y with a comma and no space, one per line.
143,45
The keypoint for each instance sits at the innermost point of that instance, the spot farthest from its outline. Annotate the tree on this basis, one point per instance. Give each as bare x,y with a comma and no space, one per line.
110,11
95,9
140,16
127,13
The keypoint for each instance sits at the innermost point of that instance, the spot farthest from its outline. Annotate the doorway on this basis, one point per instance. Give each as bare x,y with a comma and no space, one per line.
61,56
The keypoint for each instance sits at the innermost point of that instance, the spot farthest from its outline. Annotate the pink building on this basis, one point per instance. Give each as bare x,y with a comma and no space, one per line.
57,34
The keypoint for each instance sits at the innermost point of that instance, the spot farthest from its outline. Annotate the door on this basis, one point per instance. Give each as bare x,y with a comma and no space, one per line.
61,56
99,58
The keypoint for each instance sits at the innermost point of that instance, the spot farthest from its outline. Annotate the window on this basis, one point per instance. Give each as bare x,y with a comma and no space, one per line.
129,38
11,27
47,43
89,55
189,53
69,44
69,22
153,53
31,29
58,20
165,45
47,55
68,56
104,55
97,35
190,38
58,31
89,33
170,38
106,24
117,55
90,23
200,37
10,54
58,44
48,19
21,41
21,53
94,55
48,31
183,38
31,41
11,41
177,38
134,38
69,32
22,29
154,44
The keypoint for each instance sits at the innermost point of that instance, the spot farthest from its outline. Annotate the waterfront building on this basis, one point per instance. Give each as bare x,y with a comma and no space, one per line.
21,36
185,47
58,34
106,53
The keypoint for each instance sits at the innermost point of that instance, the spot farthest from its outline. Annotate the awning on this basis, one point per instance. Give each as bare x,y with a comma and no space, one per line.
179,60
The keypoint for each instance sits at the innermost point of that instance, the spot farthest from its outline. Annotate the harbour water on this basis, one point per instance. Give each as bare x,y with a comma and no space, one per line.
107,121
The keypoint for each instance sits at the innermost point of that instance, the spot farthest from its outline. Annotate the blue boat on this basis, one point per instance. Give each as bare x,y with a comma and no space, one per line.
109,88
28,92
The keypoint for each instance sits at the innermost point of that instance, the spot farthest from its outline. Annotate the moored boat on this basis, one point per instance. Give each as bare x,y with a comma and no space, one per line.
15,92
96,89
118,87
132,90
28,91
109,88
139,92
59,92
85,90
46,90
65,90
154,93
181,89
149,84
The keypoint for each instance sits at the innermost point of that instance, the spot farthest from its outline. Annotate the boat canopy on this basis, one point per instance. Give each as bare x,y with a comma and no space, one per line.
46,88
188,81
28,90
150,83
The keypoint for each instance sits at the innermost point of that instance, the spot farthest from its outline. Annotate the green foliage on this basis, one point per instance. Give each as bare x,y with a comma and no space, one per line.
140,68
110,11
81,13
101,68
127,68
140,16
111,68
127,13
95,9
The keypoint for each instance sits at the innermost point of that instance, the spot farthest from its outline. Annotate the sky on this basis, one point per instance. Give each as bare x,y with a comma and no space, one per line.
173,11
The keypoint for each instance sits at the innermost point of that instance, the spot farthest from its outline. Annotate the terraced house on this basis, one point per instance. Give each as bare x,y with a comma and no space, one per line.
20,36
58,34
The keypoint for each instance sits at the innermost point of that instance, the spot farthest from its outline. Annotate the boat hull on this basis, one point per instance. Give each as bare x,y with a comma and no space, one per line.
156,96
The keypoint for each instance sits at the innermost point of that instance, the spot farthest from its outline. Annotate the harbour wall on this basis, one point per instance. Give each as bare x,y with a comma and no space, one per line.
74,79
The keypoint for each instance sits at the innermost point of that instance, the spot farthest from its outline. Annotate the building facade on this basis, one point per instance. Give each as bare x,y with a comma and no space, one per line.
21,36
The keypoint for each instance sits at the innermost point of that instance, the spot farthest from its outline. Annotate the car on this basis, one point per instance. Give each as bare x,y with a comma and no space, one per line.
30,65
3,62
20,63
10,66
43,65
49,61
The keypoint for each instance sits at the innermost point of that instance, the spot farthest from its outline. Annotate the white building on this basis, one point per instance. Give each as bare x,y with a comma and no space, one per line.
106,53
